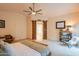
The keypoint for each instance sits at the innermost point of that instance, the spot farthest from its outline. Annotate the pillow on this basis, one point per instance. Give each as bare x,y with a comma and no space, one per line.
8,48
74,40
2,43
77,40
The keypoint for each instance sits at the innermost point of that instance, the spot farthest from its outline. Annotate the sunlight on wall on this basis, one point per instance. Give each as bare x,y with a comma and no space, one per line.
39,31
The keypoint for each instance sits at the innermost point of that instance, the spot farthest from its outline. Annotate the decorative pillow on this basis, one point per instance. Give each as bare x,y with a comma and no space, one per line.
2,43
8,48
74,40
77,44
77,38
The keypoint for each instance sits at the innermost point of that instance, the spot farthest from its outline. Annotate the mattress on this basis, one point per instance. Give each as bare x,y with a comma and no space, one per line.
41,48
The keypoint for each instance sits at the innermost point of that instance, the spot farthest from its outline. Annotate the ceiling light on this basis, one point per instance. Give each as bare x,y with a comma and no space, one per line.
33,13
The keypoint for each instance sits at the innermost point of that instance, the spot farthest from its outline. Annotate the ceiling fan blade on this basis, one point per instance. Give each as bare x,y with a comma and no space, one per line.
29,13
39,10
39,13
30,8
26,11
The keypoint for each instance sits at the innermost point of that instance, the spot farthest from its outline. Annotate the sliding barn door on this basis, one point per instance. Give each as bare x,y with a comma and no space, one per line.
33,30
44,29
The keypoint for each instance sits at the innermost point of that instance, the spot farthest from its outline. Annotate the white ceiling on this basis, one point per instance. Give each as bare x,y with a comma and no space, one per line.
48,9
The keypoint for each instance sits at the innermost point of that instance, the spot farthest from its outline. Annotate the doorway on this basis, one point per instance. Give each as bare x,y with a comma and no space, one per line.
39,30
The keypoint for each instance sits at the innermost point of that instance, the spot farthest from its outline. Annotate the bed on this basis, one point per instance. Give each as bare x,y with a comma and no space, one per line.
57,49
25,48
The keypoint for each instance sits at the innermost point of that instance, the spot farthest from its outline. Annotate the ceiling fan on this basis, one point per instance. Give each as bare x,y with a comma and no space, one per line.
33,11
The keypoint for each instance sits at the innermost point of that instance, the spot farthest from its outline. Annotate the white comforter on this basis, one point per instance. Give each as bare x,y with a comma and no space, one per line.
19,49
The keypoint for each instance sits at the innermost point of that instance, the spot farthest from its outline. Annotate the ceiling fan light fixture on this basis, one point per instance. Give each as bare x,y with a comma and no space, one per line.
33,13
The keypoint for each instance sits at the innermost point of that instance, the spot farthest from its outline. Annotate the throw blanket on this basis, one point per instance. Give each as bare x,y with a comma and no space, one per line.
41,48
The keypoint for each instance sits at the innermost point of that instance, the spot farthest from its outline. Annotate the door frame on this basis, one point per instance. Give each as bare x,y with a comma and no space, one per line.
34,29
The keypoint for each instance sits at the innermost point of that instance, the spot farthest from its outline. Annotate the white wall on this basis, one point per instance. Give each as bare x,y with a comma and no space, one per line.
71,19
29,27
15,24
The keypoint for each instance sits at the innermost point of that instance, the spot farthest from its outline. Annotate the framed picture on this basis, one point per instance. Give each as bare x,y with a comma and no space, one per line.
2,23
60,25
